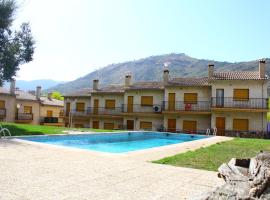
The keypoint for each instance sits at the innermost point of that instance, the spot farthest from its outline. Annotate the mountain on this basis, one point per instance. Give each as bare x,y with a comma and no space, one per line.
151,68
31,85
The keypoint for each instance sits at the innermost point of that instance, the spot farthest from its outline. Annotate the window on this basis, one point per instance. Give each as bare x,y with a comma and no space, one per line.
49,113
80,107
147,100
189,126
78,126
2,104
108,126
27,109
241,94
240,125
110,104
146,125
190,98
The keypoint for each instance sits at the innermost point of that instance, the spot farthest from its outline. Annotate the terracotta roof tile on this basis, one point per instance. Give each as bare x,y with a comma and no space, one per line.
110,89
84,92
241,75
51,102
22,95
192,81
154,85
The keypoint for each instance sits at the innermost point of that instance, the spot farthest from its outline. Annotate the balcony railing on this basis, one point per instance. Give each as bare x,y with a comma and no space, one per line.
138,108
104,111
2,112
24,116
187,106
230,102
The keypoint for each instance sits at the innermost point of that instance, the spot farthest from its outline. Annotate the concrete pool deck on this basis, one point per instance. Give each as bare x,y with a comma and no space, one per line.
38,171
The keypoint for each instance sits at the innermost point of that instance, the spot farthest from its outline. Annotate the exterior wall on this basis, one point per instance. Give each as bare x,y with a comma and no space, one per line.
157,122
35,109
55,109
203,121
10,105
257,121
204,93
158,96
85,123
119,99
257,89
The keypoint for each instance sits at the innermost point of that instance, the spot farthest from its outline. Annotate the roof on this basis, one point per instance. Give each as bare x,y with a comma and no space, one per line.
51,102
189,81
84,92
110,89
4,91
240,75
154,85
22,95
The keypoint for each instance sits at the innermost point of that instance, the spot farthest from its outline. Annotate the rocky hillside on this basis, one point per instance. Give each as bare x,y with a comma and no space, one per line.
150,68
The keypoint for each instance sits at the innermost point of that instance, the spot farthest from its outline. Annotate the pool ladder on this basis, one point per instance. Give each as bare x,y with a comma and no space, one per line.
4,132
208,131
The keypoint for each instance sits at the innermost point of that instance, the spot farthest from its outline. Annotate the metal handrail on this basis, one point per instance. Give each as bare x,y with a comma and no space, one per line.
4,130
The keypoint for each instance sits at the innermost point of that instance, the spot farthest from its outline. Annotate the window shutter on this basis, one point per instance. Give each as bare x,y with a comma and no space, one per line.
27,109
146,125
110,104
240,125
2,104
80,107
241,94
108,126
190,98
147,100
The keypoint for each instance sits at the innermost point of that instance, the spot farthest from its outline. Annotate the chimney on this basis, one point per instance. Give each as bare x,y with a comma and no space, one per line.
38,92
12,86
210,70
50,95
165,75
262,68
95,84
127,80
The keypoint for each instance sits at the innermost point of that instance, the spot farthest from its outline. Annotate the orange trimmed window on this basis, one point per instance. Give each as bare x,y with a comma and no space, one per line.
80,107
145,125
147,100
49,113
110,104
27,109
2,104
190,98
241,94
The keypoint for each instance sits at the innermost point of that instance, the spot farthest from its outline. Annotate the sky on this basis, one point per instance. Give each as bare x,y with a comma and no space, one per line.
76,37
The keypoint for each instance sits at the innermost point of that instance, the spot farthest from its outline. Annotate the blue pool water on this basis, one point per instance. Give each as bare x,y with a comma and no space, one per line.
116,142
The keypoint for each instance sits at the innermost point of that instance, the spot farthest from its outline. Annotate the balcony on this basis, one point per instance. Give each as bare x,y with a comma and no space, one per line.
104,111
138,108
24,116
259,104
2,112
181,106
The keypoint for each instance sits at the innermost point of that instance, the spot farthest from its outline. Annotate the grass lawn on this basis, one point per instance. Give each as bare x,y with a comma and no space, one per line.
28,129
210,158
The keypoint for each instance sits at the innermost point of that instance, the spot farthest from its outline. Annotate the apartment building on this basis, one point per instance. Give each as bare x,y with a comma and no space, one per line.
29,107
227,100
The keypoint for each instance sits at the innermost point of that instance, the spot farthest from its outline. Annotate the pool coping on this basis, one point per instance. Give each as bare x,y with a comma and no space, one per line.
149,154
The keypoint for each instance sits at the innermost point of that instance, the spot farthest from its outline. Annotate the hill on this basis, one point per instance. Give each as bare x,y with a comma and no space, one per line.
150,68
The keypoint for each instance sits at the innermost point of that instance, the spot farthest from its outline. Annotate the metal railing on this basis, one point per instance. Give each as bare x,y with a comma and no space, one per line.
187,106
104,111
2,112
138,108
230,102
24,116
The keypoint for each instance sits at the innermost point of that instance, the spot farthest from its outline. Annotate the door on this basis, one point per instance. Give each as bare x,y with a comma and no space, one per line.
130,104
220,125
171,125
130,124
96,106
189,126
171,102
220,98
67,109
95,124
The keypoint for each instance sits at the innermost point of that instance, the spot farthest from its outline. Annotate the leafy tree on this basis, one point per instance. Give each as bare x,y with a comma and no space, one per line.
16,47
57,95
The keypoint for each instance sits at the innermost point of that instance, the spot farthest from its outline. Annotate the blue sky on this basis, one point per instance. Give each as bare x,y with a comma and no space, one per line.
75,37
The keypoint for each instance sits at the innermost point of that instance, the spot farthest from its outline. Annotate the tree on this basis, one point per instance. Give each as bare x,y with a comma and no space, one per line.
57,95
16,47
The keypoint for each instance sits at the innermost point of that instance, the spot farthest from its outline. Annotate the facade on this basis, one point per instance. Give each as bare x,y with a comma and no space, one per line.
31,108
232,102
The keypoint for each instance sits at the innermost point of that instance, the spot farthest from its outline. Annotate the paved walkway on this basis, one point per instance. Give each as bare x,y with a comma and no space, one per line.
31,171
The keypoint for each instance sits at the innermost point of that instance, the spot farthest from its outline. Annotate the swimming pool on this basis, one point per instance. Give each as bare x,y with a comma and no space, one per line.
116,142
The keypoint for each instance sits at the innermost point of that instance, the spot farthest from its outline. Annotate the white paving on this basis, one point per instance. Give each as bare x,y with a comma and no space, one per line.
33,171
